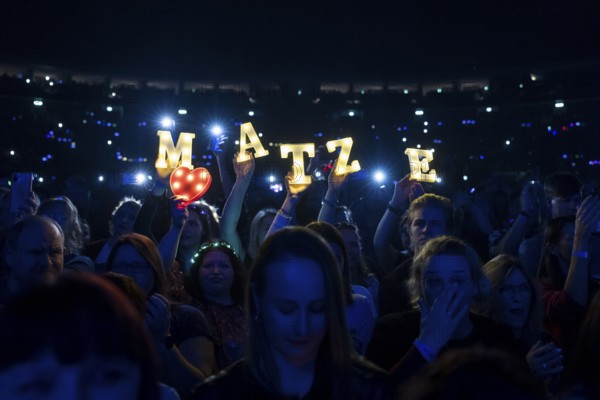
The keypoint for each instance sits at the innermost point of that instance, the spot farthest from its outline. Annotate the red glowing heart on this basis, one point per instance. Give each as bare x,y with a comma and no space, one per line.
190,184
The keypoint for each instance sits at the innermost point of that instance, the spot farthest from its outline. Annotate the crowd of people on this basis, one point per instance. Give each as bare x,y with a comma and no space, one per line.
461,295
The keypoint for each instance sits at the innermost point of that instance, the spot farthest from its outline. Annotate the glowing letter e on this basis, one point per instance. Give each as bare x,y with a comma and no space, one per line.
166,150
419,165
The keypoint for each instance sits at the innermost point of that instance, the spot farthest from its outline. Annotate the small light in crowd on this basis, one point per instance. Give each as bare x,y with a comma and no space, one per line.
51,83
405,91
465,178
251,113
149,177
318,174
432,150
109,142
507,142
237,142
260,134
271,178
379,176
47,78
182,111
40,179
438,179
38,103
216,130
520,86
472,190
299,92
425,123
73,145
559,104
419,112
12,152
167,122
488,109
439,90
140,178
351,114
486,88
113,94
418,146
404,139
27,80
100,178
425,131
533,77
60,125
109,108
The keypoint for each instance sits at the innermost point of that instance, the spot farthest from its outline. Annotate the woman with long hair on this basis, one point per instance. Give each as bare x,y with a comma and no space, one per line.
298,344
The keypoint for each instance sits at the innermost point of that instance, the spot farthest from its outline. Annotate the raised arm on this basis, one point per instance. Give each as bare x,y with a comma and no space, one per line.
528,216
288,208
215,146
335,182
233,205
170,242
586,221
405,191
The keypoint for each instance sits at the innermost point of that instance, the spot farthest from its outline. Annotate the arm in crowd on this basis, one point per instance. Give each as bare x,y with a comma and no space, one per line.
405,191
215,145
145,218
509,244
233,206
335,182
169,243
288,209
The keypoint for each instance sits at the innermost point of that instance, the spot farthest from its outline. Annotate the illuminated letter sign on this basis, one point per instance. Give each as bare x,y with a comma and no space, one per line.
342,164
419,165
259,151
297,150
166,149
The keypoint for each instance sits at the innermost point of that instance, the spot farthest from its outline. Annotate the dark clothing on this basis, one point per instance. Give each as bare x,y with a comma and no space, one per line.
188,322
394,295
237,382
228,326
392,349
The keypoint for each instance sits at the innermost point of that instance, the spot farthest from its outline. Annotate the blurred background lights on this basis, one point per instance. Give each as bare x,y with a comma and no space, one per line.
559,104
419,111
351,113
12,152
251,113
465,178
100,178
40,179
60,125
140,178
271,178
404,139
488,109
38,103
109,142
109,108
47,78
182,111
507,142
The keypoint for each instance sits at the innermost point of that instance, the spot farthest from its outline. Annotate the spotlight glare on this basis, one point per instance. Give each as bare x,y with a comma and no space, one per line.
379,176
216,130
167,122
140,178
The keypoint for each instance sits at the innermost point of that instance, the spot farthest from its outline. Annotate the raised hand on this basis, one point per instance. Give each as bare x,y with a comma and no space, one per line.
216,142
179,212
587,218
158,318
243,169
295,189
440,320
545,360
405,191
336,179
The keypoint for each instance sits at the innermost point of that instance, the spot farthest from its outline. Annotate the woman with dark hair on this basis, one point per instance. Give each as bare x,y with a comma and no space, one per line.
360,311
180,333
298,344
517,304
79,337
567,285
216,284
202,225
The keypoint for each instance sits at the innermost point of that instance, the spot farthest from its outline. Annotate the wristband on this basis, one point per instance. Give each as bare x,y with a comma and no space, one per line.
424,350
326,202
284,214
525,214
580,253
395,210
